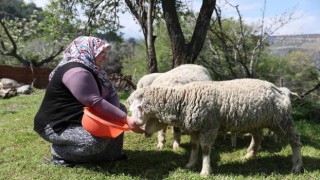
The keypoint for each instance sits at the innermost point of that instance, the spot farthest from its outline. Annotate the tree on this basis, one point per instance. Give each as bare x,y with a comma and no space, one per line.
184,52
145,12
33,42
234,49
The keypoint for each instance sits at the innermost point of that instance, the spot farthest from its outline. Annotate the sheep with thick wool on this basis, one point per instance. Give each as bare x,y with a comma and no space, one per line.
180,75
284,90
204,109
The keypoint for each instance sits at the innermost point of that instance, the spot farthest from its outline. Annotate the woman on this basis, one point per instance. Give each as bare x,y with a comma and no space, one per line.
77,82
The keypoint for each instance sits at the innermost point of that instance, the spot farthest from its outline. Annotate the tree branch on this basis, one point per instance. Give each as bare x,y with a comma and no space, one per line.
13,51
311,90
201,29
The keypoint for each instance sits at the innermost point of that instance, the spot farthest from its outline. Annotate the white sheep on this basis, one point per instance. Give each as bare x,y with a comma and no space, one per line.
147,80
205,108
271,134
180,75
289,93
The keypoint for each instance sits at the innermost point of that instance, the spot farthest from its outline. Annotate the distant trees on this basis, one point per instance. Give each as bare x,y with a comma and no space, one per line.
16,9
301,73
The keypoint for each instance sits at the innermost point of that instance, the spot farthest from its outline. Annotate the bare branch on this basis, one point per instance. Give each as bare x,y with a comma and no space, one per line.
311,90
49,58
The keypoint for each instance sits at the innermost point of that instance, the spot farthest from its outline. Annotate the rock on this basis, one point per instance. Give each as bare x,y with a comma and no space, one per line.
25,89
7,93
9,83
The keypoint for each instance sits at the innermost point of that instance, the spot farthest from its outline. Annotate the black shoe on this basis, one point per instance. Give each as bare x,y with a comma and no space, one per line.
58,161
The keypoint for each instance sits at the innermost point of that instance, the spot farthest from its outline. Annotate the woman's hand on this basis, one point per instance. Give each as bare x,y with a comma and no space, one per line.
134,124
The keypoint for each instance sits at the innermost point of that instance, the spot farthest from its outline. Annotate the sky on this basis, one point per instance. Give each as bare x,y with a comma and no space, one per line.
306,17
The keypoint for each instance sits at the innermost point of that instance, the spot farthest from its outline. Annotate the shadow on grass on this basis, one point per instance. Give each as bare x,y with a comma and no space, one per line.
160,164
267,144
266,166
305,140
143,164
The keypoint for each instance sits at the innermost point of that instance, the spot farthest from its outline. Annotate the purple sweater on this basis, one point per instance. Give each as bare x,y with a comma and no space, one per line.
84,88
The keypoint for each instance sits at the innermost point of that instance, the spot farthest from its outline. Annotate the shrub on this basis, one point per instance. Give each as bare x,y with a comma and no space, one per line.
304,109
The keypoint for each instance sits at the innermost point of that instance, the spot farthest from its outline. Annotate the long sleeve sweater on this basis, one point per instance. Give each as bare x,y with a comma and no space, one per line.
84,88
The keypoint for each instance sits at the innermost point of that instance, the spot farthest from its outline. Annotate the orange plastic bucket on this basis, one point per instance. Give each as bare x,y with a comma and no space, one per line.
94,124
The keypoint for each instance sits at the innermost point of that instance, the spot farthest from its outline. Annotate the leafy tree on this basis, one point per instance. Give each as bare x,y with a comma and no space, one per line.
33,42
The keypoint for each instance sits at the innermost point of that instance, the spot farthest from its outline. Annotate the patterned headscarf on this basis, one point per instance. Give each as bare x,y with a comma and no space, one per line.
84,50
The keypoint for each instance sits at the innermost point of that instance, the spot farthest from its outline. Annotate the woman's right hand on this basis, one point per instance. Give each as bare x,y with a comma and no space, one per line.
134,125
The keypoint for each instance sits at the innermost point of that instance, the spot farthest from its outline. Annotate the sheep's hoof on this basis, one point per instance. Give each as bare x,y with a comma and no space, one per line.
160,146
175,146
249,155
297,169
205,173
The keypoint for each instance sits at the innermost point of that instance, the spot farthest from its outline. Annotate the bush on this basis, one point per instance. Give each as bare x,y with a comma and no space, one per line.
304,109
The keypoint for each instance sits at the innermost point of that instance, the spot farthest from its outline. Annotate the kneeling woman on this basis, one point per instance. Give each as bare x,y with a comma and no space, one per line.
77,82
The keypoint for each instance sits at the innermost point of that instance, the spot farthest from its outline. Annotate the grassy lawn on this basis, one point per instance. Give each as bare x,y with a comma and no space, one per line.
22,150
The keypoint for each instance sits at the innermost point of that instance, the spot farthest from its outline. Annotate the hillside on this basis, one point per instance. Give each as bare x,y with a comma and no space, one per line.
283,45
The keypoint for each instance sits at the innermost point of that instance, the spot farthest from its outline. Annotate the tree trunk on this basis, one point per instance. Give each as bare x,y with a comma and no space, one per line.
152,59
145,19
182,52
177,39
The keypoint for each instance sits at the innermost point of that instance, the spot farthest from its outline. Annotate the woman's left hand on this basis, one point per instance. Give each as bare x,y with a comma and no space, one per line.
134,125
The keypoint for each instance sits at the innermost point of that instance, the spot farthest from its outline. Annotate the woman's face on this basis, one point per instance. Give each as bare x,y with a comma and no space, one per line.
101,57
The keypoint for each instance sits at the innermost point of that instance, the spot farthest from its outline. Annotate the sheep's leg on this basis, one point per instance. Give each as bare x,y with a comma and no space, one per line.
256,139
176,138
273,136
287,131
161,138
206,141
233,140
194,150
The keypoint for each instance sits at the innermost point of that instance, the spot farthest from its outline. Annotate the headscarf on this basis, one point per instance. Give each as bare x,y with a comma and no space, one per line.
84,50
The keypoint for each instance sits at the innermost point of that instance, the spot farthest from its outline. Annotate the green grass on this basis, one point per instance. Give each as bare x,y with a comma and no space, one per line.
22,150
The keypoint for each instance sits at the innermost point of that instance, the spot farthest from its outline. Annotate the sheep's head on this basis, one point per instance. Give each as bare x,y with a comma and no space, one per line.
153,125
136,110
134,101
149,120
